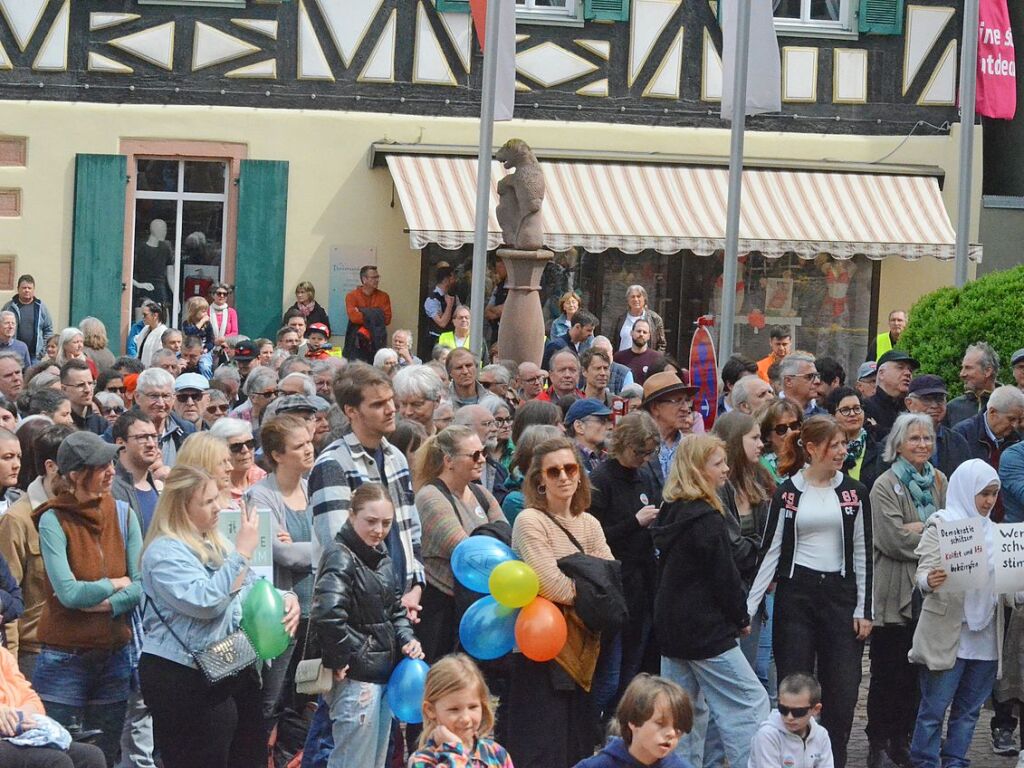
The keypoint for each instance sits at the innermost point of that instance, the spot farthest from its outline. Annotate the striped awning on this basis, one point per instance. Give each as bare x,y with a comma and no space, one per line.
670,208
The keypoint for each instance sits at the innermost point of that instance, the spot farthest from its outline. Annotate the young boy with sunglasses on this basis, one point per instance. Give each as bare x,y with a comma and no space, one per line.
792,736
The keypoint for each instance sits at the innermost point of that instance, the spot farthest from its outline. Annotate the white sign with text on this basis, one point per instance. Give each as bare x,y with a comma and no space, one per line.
962,549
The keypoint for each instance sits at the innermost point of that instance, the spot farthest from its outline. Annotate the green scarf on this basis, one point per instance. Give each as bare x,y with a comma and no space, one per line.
920,485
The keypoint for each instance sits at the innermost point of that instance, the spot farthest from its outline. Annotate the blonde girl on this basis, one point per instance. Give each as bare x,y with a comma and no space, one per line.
197,321
458,718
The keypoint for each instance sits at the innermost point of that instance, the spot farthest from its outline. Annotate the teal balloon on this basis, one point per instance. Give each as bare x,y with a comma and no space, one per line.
262,613
488,629
475,557
405,690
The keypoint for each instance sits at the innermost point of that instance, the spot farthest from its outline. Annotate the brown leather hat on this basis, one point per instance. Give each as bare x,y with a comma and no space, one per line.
663,384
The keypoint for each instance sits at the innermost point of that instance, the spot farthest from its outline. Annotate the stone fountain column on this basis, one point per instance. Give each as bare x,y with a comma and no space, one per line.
521,331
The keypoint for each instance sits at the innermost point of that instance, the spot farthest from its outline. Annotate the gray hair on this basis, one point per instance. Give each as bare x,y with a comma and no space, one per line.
501,373
229,427
227,373
418,381
278,357
741,390
9,355
161,354
294,361
1006,398
215,396
308,387
403,331
154,378
260,378
109,400
8,312
40,380
65,336
637,289
632,390
901,428
989,357
790,365
494,404
384,355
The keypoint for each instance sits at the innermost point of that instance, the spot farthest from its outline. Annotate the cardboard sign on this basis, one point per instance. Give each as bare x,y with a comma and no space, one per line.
263,558
1009,557
962,549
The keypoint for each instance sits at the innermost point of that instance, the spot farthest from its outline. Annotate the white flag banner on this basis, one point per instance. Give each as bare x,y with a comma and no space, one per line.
505,83
764,70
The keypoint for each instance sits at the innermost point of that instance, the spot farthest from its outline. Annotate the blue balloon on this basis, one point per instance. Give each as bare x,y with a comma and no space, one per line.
488,629
475,557
405,690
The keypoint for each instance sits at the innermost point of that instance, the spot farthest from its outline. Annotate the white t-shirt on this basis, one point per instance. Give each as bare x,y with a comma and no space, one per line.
626,334
819,530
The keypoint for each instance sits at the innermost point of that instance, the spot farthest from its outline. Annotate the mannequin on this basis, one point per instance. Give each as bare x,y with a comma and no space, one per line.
154,266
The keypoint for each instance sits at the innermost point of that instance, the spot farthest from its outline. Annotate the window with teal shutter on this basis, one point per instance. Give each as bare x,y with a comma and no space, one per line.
452,6
606,10
259,256
881,17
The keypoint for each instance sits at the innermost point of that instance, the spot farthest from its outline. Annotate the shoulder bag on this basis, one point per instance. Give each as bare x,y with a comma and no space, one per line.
312,678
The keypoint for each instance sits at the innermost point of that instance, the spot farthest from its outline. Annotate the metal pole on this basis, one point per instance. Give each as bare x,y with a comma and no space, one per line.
483,176
968,73
732,216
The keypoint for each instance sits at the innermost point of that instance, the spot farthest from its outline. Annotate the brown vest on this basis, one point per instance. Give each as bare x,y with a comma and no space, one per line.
95,551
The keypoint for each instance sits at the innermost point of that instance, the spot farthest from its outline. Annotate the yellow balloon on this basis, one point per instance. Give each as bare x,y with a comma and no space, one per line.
513,584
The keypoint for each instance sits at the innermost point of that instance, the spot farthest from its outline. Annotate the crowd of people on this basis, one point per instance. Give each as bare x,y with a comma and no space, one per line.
756,553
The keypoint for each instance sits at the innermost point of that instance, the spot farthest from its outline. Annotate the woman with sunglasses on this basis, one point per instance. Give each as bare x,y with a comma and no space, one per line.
206,451
816,550
217,407
863,454
550,720
446,472
242,447
109,405
625,504
223,318
699,608
778,420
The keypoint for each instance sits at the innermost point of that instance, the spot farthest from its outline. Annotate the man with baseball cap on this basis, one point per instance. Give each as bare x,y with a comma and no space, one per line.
895,370
669,400
244,359
190,398
865,383
587,424
928,394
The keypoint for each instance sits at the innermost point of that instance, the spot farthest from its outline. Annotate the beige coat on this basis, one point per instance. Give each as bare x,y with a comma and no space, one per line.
937,637
895,559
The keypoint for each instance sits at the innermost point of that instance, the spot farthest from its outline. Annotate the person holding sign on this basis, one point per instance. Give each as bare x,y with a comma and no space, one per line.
902,499
816,547
959,637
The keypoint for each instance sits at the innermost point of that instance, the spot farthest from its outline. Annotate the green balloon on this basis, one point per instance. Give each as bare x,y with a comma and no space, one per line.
262,613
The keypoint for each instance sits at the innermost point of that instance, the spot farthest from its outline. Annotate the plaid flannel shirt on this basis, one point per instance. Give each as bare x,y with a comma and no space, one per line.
342,467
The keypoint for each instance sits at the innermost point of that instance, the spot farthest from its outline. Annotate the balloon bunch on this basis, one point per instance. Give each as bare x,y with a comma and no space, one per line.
512,614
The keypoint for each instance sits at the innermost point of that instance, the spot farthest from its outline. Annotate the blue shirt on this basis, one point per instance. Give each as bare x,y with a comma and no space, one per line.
19,348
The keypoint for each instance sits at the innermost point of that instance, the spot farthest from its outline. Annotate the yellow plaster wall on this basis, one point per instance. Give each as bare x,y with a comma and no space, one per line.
336,199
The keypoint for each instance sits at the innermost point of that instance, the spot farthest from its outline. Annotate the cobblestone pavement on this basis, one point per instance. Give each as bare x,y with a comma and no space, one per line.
981,750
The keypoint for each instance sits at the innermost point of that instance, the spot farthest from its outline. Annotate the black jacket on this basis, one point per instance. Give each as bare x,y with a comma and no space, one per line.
356,613
744,548
978,443
883,409
317,315
700,606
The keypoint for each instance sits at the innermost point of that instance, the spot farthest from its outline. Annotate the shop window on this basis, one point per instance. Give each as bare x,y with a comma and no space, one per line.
546,9
815,17
179,231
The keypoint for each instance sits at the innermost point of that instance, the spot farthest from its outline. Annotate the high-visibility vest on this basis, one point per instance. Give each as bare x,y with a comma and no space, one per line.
882,344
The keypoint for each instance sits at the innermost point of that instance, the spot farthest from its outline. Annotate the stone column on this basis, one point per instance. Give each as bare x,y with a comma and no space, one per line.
521,331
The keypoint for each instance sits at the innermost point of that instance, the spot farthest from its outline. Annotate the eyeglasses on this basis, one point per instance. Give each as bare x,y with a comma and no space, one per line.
113,410
82,385
676,401
930,401
808,376
644,454
116,390
571,471
502,422
789,426
534,380
487,424
145,437
268,393
222,408
249,444
165,396
489,384
476,456
853,410
188,397
920,440
796,712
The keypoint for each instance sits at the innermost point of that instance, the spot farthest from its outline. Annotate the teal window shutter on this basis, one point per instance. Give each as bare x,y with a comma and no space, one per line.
881,17
259,255
452,6
97,241
606,10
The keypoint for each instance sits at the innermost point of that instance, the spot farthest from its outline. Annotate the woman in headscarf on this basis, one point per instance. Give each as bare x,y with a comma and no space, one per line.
959,637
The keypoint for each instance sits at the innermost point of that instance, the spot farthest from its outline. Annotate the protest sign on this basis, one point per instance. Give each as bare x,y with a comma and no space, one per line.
262,559
1009,557
962,549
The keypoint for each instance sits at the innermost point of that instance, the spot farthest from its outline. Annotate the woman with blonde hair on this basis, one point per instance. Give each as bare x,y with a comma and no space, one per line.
569,305
550,716
195,582
71,346
195,321
210,453
452,504
94,339
700,606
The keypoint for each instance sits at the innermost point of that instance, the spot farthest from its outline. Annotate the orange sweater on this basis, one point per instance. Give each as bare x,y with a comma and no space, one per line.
356,300
15,691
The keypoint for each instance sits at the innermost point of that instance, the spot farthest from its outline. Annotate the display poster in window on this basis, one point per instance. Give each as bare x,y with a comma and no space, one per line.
963,556
262,564
1008,540
778,296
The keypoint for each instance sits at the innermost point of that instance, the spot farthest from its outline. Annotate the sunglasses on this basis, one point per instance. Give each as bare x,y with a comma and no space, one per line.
796,712
571,471
186,397
217,408
118,390
476,456
117,409
239,447
221,293
782,429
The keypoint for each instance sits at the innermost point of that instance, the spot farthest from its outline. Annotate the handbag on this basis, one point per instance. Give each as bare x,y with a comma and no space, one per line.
312,678
221,659
600,600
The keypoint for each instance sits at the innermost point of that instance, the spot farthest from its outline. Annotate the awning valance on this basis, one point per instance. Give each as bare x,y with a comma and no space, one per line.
669,208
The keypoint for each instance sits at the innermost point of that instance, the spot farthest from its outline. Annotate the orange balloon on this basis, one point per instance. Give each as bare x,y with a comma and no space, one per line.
541,630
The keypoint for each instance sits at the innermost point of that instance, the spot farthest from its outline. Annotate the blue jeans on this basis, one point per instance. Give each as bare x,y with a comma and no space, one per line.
765,664
360,724
726,687
963,690
85,677
606,677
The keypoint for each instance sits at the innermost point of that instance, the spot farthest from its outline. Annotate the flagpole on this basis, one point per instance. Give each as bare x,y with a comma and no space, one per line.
732,216
968,85
483,175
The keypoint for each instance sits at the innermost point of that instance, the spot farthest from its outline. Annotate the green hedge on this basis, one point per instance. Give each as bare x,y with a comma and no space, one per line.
943,323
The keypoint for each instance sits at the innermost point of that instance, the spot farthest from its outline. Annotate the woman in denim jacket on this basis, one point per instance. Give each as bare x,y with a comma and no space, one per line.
195,582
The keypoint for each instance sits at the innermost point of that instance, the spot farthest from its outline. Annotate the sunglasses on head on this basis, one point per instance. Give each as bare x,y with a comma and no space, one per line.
782,429
571,471
239,447
796,712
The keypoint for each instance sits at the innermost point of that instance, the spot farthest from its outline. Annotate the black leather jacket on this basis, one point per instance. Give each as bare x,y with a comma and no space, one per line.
357,615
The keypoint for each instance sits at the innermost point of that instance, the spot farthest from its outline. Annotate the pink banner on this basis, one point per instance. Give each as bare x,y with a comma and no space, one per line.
997,73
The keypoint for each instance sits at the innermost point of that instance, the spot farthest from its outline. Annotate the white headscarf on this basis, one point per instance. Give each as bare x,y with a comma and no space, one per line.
966,482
